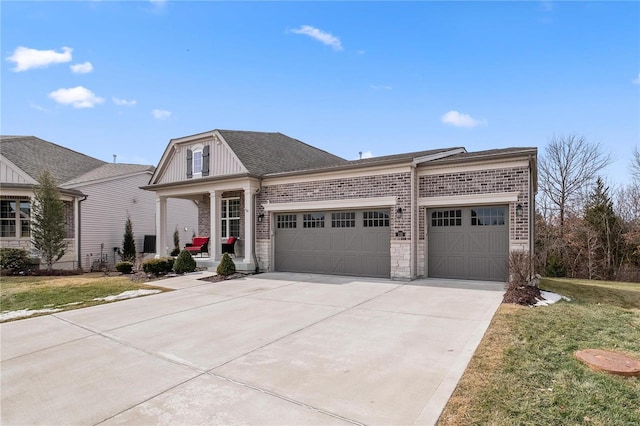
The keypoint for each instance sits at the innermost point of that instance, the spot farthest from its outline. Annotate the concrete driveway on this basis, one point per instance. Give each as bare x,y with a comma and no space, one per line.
273,348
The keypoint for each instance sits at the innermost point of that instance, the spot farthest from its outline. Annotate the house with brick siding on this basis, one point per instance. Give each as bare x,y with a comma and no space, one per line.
442,213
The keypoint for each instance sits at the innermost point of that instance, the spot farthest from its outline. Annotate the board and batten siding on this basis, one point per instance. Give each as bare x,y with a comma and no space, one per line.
11,174
104,214
221,162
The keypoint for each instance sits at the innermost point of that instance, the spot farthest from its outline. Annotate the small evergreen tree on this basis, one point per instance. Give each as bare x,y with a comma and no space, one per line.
47,221
601,218
128,243
176,242
184,263
226,266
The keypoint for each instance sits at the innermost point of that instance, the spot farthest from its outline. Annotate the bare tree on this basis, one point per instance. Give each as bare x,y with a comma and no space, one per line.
570,163
635,165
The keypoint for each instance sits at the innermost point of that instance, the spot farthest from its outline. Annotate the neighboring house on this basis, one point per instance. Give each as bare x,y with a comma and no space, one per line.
444,213
98,197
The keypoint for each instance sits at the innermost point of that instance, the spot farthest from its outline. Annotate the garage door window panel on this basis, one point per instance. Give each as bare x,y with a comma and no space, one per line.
488,216
286,221
375,219
446,218
343,220
313,220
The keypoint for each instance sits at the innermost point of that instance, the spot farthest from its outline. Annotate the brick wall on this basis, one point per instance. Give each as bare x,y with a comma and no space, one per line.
482,182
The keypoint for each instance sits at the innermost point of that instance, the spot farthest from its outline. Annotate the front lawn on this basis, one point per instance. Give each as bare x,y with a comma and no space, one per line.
525,372
48,294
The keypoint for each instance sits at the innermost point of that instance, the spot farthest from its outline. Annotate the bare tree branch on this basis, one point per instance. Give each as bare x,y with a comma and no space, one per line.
569,165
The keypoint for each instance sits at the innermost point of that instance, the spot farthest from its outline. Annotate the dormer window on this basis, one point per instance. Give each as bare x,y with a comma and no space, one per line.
197,162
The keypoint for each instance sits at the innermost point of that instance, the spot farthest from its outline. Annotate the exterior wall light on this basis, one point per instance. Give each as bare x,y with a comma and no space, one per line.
260,217
519,210
399,212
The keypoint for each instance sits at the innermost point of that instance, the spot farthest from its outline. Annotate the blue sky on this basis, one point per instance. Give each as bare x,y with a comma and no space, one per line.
381,78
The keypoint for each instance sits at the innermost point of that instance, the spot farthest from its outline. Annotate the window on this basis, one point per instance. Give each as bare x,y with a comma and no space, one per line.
375,219
343,220
230,217
286,221
313,220
15,218
197,162
446,218
487,216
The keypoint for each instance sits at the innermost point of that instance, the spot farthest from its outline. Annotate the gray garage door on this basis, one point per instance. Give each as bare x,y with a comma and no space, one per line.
350,242
469,243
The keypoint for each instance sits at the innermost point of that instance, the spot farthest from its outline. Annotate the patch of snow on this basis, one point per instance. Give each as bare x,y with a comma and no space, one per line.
128,295
549,298
23,313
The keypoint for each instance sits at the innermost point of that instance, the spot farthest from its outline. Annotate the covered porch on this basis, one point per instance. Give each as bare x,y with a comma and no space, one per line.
225,209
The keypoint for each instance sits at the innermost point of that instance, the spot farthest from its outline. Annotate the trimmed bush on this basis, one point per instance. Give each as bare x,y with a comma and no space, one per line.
14,260
226,266
161,266
184,263
124,267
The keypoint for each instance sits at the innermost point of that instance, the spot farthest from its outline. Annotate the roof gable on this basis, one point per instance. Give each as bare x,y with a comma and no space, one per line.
33,155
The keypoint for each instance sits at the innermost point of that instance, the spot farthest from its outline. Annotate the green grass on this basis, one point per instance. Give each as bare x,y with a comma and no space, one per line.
65,293
525,372
623,295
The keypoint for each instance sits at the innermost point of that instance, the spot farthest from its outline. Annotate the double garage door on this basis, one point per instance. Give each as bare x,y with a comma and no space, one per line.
353,242
469,243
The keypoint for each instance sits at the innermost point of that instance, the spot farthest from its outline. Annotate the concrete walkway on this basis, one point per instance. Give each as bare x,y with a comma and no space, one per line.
273,348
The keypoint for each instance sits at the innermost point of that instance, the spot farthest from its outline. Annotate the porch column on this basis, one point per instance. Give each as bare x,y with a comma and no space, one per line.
214,224
161,226
249,225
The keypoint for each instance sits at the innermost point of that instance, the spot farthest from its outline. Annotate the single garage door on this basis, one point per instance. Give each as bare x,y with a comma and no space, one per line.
355,242
469,243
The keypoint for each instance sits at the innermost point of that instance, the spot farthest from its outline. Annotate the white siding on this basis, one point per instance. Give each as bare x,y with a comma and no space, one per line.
104,214
10,173
222,161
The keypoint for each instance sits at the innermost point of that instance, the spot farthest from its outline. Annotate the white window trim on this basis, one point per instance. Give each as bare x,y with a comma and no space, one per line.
193,161
469,200
227,220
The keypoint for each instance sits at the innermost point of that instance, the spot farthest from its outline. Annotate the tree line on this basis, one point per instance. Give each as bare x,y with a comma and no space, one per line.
584,228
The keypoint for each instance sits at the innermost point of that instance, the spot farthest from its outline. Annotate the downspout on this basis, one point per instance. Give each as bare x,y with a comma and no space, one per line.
414,224
532,217
79,233
255,226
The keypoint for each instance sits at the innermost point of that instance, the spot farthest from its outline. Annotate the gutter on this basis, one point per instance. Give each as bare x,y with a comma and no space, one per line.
79,231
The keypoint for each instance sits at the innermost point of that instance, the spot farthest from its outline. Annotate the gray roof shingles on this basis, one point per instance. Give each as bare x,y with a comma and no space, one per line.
109,170
263,153
33,155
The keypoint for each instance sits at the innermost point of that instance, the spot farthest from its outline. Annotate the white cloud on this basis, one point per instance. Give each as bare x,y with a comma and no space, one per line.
374,87
82,68
321,36
26,58
161,114
123,102
458,119
77,97
636,80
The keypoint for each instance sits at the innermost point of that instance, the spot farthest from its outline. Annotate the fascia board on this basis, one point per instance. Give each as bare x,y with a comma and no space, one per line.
102,180
438,156
354,203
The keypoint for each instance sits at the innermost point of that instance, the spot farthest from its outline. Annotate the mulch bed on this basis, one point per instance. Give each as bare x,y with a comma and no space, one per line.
522,295
217,278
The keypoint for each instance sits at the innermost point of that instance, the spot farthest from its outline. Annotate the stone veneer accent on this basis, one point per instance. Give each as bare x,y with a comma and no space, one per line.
401,259
263,249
